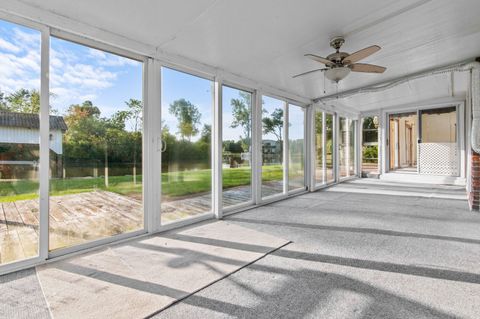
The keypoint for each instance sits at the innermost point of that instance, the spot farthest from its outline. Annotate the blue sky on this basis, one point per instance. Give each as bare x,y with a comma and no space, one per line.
79,73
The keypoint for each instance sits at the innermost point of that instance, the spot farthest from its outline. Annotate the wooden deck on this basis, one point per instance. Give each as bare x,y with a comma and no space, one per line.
83,217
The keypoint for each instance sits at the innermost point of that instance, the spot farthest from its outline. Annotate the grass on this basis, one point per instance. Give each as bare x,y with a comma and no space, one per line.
174,184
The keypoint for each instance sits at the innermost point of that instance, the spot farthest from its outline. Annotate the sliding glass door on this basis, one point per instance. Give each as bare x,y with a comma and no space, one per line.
296,147
236,147
347,147
187,106
19,142
329,147
324,156
91,122
96,129
273,117
424,142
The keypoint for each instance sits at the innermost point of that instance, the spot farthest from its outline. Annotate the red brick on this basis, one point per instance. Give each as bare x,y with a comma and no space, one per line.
474,196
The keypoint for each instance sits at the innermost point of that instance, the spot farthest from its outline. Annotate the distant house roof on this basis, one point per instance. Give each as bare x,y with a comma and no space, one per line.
31,121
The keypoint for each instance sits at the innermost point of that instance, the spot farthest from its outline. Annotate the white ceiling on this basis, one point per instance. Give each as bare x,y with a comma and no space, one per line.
266,40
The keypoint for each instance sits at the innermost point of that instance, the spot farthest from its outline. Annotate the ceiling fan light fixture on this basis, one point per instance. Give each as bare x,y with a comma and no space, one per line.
337,74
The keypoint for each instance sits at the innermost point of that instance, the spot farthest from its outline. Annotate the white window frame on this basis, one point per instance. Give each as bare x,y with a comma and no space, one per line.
152,144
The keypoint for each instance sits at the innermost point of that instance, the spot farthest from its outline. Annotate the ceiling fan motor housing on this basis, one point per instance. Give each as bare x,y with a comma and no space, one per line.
337,57
337,43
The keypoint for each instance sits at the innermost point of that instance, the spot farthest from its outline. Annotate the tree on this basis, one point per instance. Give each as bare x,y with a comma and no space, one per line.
188,117
3,102
24,101
206,134
135,108
241,114
85,138
274,124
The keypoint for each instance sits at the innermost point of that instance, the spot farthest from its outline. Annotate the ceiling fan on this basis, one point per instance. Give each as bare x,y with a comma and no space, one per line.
339,64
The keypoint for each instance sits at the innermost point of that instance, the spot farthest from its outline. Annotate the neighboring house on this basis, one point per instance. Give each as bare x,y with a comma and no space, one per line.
271,152
20,132
24,128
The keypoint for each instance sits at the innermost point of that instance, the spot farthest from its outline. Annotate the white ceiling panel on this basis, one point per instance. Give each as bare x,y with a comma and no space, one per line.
266,40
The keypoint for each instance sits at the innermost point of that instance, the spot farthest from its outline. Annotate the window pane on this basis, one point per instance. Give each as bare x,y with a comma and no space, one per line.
187,103
439,125
19,136
329,119
351,147
370,146
296,131
343,147
319,176
95,144
272,146
237,136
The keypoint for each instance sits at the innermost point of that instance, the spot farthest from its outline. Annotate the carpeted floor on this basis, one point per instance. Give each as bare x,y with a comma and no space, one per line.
143,276
21,296
355,253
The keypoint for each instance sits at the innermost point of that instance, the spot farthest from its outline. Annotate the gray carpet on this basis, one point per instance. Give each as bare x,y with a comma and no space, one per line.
22,297
353,256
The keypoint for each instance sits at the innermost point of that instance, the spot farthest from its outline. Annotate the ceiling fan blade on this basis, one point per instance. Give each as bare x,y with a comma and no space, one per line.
319,59
367,68
362,54
305,73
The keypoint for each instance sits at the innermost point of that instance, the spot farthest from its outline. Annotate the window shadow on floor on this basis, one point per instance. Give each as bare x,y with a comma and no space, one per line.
374,231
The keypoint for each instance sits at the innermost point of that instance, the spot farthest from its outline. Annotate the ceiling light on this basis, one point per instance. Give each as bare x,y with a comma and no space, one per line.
337,74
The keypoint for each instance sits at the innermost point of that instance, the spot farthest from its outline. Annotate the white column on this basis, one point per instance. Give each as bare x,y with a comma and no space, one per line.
286,159
311,147
336,168
152,178
257,147
217,193
324,148
44,143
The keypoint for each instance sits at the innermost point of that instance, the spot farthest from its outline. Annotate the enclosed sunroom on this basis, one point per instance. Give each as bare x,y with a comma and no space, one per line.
122,120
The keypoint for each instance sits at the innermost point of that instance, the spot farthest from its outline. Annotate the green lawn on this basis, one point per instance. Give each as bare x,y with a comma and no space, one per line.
174,184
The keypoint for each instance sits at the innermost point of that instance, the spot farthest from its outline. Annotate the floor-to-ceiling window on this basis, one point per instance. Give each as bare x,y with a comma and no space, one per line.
319,148
273,117
19,142
343,150
346,147
236,146
296,147
369,146
351,147
96,127
187,105
329,147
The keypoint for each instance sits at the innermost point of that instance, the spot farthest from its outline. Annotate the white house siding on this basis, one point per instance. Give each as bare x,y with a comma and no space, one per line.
19,135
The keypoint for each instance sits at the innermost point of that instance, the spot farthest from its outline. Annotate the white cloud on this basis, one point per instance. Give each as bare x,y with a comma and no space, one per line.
110,60
85,76
19,71
27,40
8,46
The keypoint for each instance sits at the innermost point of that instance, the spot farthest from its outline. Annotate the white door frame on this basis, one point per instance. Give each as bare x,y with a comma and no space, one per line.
459,103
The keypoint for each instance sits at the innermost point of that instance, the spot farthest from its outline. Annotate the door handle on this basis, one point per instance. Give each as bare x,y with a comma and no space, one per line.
161,145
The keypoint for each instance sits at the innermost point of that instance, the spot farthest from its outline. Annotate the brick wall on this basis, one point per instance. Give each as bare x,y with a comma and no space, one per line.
474,196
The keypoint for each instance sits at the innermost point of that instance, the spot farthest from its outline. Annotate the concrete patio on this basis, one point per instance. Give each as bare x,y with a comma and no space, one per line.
355,253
